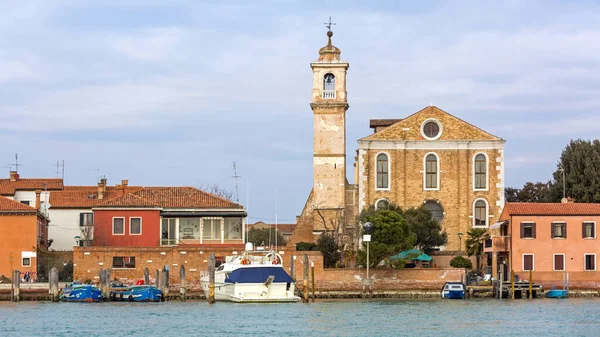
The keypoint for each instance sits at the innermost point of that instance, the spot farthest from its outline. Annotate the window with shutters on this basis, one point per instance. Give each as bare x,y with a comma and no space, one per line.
590,262
431,172
527,230
528,262
86,219
559,230
383,181
480,172
589,230
559,262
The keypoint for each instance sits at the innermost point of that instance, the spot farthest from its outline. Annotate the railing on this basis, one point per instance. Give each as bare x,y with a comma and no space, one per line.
328,94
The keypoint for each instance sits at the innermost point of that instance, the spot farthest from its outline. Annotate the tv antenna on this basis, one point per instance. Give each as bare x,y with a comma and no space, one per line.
235,177
60,169
98,176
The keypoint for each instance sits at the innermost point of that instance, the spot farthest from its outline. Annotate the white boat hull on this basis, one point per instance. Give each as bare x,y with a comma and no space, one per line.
251,292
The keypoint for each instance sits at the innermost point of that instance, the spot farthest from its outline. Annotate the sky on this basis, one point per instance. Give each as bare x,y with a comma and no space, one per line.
171,93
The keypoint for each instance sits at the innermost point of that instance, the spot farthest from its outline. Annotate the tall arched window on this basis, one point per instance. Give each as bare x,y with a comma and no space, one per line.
382,171
480,218
480,172
431,172
329,82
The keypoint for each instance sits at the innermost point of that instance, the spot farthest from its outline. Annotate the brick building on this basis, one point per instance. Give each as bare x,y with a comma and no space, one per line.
429,158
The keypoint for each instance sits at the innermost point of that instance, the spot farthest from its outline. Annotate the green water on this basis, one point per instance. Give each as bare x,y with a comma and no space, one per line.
477,317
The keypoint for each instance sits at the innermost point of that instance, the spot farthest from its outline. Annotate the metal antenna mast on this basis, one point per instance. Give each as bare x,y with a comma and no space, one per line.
235,177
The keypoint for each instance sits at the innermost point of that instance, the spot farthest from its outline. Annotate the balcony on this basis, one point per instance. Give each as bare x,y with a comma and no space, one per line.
497,244
328,94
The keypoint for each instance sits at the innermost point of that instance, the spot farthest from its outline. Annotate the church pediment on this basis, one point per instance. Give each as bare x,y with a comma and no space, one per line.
431,124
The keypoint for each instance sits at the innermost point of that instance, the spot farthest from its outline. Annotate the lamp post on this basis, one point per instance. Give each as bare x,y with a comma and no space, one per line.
460,235
367,227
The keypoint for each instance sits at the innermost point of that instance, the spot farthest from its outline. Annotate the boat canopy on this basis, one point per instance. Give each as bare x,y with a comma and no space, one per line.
413,254
258,275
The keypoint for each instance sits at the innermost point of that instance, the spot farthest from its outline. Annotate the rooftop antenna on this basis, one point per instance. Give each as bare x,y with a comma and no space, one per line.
16,164
235,177
60,169
98,176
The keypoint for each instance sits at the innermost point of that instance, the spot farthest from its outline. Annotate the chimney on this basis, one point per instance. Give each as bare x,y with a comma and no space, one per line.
124,182
101,188
37,199
14,176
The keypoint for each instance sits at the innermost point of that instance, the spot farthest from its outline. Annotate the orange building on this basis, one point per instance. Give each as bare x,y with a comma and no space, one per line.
23,229
550,239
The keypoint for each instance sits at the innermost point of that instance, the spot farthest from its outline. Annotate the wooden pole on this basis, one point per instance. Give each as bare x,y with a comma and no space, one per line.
53,283
157,279
163,282
292,260
211,278
512,284
16,285
101,281
182,289
530,284
146,276
305,290
312,276
500,285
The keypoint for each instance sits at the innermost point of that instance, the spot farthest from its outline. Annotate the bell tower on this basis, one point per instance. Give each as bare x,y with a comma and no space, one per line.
329,105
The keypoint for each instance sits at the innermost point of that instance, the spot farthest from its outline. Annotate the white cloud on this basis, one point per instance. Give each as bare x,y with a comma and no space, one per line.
155,44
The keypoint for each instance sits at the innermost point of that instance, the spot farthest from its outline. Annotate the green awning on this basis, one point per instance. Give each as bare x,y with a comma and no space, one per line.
413,254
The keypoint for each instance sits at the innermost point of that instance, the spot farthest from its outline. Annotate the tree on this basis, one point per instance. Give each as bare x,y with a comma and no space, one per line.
474,243
581,163
217,190
427,230
390,235
461,262
531,192
330,250
265,236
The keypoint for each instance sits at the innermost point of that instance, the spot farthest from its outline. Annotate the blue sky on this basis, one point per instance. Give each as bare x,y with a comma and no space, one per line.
171,93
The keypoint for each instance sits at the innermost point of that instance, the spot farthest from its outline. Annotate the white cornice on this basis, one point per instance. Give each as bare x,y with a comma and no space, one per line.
431,145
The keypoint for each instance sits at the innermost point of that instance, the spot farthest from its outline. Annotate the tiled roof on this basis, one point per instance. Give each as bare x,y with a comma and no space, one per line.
284,228
8,187
85,196
165,197
184,197
533,208
373,123
127,200
11,206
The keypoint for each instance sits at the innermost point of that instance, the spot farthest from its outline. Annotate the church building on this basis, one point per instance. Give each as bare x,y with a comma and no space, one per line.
429,158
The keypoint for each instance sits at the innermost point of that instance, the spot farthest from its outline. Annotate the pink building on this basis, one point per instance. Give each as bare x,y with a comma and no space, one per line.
550,239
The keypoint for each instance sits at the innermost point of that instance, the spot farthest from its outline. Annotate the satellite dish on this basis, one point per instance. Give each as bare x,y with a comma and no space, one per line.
564,200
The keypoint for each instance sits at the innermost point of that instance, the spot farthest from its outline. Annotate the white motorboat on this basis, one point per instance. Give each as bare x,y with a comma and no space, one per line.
253,276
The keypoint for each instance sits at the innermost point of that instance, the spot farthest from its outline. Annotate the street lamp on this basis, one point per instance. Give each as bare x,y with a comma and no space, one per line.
460,234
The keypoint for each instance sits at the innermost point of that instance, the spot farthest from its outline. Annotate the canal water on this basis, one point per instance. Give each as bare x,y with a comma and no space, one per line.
397,317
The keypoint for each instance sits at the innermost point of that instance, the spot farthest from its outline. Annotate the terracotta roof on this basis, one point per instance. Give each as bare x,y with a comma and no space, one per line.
127,200
373,123
85,196
284,228
11,206
533,208
8,187
184,197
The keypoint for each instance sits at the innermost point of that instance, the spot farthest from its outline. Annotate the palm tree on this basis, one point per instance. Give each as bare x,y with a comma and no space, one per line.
474,243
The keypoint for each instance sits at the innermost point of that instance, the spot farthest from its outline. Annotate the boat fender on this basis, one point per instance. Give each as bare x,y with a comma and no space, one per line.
130,298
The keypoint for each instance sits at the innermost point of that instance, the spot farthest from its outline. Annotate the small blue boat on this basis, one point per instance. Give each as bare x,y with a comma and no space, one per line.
81,293
139,293
453,290
556,293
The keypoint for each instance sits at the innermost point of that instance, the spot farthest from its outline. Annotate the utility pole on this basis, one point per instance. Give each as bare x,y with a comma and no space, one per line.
235,177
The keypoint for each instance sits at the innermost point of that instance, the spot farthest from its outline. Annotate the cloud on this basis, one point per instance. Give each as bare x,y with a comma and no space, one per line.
155,44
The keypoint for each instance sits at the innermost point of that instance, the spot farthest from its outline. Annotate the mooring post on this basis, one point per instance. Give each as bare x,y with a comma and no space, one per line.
530,284
157,279
182,284
101,281
512,284
211,278
292,259
146,276
107,283
53,279
16,285
500,285
305,290
312,276
164,280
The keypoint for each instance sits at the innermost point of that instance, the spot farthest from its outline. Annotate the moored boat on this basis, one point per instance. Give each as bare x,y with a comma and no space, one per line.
556,293
253,276
137,293
453,290
81,293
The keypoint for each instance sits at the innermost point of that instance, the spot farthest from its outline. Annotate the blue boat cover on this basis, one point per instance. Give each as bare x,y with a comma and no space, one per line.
258,275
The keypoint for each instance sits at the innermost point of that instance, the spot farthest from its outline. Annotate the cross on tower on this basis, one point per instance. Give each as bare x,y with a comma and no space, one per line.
329,24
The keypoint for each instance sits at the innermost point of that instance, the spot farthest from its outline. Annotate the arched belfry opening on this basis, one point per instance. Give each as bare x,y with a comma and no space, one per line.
329,82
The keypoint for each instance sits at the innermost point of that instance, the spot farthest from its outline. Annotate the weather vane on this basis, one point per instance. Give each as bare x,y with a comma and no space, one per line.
329,24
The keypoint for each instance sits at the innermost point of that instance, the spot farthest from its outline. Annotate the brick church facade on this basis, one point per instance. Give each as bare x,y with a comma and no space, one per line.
429,158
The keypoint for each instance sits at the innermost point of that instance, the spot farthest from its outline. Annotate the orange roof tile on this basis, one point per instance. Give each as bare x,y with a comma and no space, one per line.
127,200
85,196
11,206
533,208
8,187
184,197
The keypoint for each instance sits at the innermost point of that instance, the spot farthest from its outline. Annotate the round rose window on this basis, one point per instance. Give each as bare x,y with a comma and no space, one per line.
431,129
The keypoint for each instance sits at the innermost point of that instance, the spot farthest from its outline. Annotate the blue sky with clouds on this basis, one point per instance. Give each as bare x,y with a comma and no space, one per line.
171,93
